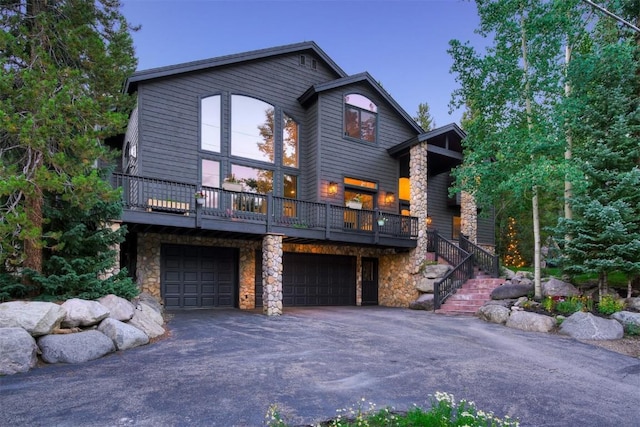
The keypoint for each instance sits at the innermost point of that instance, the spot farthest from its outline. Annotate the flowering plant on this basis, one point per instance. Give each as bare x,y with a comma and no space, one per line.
357,198
200,195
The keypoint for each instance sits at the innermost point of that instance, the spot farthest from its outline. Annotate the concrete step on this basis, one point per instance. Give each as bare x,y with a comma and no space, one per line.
470,297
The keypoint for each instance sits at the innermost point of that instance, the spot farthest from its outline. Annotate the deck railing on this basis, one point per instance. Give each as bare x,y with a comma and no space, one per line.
454,279
157,195
484,260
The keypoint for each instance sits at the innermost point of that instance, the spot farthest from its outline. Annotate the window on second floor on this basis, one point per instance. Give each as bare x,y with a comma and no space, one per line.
360,117
210,129
252,128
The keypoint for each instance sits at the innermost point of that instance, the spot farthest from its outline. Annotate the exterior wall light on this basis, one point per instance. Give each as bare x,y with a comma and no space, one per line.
332,188
390,197
429,221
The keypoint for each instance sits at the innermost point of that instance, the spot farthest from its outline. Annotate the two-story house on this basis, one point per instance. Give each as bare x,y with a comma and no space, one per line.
272,178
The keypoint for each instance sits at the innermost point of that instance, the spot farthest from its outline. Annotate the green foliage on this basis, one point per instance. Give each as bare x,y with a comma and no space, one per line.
632,329
444,412
609,305
12,288
570,305
548,304
63,66
424,118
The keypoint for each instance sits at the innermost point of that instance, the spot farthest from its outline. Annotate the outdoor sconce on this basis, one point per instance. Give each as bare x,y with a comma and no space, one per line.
429,221
332,189
390,197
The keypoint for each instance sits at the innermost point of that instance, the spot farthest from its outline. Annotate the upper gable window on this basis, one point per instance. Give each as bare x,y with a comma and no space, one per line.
210,123
252,128
360,117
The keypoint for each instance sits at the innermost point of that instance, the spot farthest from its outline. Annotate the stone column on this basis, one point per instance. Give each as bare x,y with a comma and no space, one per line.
418,174
469,216
272,274
115,268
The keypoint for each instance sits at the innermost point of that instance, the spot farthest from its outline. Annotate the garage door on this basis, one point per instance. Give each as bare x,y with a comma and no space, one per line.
314,280
198,276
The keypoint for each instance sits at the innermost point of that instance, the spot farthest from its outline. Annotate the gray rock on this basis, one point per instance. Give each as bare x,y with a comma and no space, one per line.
627,318
526,282
144,320
501,302
424,302
508,273
149,311
436,271
149,300
36,317
511,291
75,348
586,326
81,312
493,313
633,303
123,336
119,308
18,351
531,322
424,284
557,288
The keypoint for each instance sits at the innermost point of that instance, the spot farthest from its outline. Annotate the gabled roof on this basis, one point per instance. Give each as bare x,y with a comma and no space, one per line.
312,93
171,70
440,137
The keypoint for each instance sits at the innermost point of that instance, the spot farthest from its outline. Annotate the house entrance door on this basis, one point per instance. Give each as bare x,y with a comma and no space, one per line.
369,281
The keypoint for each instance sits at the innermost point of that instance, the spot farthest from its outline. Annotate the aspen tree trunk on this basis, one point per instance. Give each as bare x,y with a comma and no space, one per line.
568,186
534,198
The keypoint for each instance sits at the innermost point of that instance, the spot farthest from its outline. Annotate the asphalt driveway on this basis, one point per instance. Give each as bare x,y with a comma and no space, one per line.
225,367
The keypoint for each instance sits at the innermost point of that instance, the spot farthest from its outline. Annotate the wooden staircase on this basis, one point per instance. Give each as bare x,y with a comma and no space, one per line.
471,296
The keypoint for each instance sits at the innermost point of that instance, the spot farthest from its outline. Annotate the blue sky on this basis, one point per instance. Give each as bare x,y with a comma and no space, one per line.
401,43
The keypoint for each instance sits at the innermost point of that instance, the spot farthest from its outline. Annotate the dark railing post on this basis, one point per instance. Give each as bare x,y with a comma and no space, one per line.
327,220
269,212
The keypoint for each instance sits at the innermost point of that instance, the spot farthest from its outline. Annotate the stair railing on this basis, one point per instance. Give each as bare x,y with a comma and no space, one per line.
462,261
483,259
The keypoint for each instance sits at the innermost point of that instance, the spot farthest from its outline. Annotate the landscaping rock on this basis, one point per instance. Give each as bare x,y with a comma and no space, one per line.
493,313
509,274
532,322
511,291
557,288
18,351
627,318
633,303
119,308
81,312
430,275
150,300
586,326
149,311
424,302
36,317
123,336
501,302
144,320
75,348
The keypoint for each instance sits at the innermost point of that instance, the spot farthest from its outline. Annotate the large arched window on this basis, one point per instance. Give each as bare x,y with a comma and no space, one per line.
360,117
252,128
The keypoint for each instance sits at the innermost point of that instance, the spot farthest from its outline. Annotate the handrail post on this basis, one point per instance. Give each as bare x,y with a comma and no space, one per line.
327,220
269,212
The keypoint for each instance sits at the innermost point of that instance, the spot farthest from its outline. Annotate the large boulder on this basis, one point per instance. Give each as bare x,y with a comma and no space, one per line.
586,326
633,303
424,302
75,348
81,312
123,336
149,300
557,288
119,308
145,319
36,317
18,351
627,318
531,322
430,275
493,313
511,291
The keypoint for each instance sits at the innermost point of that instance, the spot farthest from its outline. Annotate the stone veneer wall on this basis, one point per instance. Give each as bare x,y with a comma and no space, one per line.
272,274
418,172
469,216
395,276
115,268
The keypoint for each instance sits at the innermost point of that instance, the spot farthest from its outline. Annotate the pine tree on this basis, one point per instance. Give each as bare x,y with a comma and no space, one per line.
63,65
424,118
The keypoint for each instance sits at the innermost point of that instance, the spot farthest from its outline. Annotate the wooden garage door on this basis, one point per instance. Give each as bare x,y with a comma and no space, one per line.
198,276
314,280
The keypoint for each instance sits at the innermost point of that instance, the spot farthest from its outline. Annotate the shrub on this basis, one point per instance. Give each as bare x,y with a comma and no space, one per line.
570,305
609,305
632,329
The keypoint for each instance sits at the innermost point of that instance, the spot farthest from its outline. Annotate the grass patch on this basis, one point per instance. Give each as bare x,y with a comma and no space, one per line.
444,412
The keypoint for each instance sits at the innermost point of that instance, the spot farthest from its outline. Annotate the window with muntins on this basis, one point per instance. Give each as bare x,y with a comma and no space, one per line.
360,117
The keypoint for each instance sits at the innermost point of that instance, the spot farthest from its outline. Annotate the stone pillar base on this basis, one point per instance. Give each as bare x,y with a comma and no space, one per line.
272,275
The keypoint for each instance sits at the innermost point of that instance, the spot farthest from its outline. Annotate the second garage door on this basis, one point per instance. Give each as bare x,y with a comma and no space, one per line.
314,280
